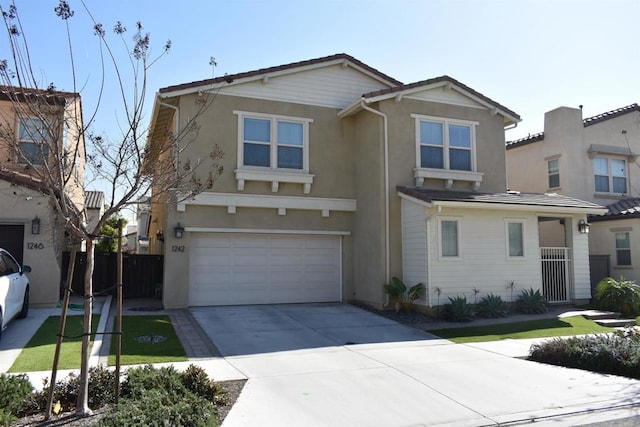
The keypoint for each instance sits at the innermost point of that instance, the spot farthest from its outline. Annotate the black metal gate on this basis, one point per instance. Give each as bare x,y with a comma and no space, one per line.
141,274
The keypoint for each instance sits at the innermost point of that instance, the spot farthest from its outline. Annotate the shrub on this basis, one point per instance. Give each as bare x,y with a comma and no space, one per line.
196,380
618,295
458,310
492,306
617,353
15,391
153,409
532,302
140,380
101,391
178,399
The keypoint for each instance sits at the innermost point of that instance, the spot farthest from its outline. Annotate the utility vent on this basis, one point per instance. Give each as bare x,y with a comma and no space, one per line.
513,192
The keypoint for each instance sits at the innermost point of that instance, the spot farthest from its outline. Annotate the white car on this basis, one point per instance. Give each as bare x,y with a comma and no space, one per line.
14,289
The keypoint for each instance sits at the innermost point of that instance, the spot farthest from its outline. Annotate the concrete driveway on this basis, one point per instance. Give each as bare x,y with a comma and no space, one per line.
337,365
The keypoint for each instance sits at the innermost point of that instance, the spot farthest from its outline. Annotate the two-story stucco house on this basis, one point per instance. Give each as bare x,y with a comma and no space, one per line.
593,159
339,177
29,226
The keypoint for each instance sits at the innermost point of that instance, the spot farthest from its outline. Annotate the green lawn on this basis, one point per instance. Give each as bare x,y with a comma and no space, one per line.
575,325
136,351
38,353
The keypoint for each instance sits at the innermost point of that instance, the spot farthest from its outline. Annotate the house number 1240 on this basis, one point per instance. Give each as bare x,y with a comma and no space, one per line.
175,248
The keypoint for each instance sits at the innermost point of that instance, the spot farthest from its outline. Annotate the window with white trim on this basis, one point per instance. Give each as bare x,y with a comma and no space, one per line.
32,140
447,144
610,175
515,238
553,170
623,249
273,142
449,238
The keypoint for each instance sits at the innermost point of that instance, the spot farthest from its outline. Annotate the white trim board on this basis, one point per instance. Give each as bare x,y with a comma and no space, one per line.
266,231
263,201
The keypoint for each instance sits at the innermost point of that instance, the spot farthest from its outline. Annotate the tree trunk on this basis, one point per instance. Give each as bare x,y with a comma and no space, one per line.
83,393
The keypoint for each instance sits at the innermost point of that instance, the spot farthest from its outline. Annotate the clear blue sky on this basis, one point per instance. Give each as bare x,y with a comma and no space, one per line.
531,56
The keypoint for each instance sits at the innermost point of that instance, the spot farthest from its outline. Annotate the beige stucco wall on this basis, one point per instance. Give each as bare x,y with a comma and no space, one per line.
602,238
331,160
41,251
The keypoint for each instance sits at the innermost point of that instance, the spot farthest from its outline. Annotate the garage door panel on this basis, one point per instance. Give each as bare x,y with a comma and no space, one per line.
263,269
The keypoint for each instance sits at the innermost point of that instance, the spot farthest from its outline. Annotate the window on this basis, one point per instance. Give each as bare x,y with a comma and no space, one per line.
31,138
515,238
623,249
554,173
449,239
445,143
610,175
273,142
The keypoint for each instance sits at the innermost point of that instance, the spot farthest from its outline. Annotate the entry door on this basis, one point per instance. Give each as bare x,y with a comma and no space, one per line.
12,240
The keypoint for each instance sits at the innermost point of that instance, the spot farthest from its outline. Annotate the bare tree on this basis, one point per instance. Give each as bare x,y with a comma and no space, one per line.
45,131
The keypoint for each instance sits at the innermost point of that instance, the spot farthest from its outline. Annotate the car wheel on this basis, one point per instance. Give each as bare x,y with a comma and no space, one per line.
25,305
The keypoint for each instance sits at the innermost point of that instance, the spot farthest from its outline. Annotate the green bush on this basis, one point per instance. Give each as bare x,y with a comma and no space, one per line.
492,306
617,353
153,409
101,391
15,391
178,399
458,310
532,302
196,380
618,295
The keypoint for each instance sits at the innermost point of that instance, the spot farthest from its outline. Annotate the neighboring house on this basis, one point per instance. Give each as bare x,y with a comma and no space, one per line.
143,217
593,159
29,226
338,177
94,208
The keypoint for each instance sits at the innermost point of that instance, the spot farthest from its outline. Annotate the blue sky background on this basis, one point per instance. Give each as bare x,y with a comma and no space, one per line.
531,56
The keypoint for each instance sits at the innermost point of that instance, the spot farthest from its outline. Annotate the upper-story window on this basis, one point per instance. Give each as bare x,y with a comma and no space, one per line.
610,175
445,150
623,249
275,142
273,148
32,136
445,144
553,169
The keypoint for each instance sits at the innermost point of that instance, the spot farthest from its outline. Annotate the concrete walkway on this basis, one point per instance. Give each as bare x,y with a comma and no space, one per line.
337,365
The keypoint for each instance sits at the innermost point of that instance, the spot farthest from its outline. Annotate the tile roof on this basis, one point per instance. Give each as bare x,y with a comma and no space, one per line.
21,179
624,209
434,80
508,198
231,77
9,93
526,140
586,122
610,114
93,199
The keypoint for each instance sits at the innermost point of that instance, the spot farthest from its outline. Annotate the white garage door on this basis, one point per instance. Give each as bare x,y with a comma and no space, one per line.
230,269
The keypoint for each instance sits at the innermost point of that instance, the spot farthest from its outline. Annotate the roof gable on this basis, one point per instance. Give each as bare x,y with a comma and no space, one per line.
332,81
442,89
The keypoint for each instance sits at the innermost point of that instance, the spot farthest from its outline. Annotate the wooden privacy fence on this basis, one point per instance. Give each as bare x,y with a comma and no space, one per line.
141,274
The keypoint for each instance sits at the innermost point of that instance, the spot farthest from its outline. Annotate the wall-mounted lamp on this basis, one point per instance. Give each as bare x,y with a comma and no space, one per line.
583,227
179,230
160,235
35,225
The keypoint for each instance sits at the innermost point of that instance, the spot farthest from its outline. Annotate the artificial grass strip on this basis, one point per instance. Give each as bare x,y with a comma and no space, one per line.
140,351
39,352
543,328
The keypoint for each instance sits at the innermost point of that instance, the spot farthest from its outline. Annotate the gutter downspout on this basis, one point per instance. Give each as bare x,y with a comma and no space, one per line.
427,223
386,189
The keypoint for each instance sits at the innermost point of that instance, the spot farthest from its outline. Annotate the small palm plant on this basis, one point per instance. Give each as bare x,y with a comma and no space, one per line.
619,295
402,295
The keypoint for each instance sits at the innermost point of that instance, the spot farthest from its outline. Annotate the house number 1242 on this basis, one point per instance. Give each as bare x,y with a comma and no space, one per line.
175,248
